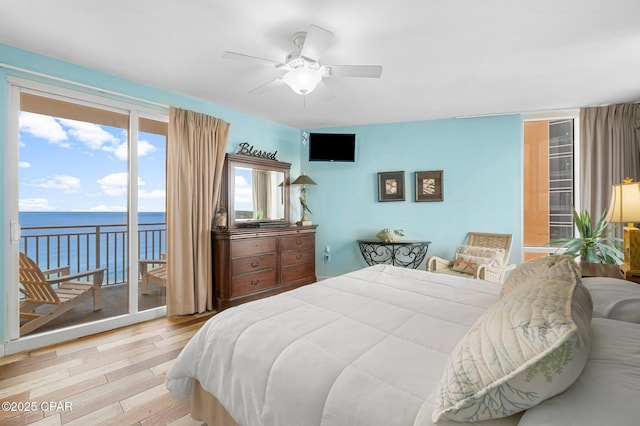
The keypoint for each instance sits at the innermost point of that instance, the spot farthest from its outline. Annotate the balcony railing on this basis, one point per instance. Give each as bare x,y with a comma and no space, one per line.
92,246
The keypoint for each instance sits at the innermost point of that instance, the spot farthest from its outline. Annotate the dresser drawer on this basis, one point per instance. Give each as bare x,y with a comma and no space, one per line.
243,265
299,272
250,283
298,242
294,257
252,247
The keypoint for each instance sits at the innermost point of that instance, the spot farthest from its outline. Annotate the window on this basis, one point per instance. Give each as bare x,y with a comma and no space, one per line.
549,184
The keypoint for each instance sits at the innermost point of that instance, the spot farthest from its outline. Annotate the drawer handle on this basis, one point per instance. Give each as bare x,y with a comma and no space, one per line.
298,257
255,264
255,282
298,242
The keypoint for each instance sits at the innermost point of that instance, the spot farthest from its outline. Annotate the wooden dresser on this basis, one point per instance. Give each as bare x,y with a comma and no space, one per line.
252,263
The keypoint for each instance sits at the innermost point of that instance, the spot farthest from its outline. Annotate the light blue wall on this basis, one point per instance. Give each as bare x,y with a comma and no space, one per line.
481,159
265,135
482,163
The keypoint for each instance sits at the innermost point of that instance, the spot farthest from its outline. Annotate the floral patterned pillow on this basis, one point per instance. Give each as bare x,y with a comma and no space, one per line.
530,345
561,267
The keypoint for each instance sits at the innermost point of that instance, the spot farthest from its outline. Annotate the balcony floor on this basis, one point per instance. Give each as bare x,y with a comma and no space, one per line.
114,303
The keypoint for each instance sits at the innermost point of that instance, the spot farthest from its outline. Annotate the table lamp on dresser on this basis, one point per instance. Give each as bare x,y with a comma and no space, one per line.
625,208
303,180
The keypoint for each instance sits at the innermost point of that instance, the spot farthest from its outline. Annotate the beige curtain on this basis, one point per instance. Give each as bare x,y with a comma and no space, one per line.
261,183
609,152
195,156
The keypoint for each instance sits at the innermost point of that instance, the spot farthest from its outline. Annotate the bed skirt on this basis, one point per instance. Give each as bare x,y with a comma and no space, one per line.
205,407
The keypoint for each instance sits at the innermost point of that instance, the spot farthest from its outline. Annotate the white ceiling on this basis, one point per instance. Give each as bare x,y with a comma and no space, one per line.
444,58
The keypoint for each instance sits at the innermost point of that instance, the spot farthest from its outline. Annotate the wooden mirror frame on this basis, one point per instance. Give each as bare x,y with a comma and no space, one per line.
228,182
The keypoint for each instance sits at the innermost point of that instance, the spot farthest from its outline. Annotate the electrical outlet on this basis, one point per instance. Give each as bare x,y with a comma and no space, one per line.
327,253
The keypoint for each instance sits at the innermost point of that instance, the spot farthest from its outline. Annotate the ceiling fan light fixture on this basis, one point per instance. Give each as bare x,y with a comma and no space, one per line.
303,80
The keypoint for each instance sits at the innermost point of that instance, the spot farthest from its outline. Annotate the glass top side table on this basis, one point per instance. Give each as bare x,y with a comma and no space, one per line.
408,254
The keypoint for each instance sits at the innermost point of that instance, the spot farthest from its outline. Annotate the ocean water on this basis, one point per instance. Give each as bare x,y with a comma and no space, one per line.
29,219
89,240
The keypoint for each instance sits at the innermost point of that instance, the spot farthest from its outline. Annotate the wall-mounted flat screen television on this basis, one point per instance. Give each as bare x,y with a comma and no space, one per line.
332,147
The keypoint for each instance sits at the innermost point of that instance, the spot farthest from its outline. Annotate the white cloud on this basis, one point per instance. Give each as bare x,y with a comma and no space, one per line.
243,192
145,148
44,127
34,204
156,193
90,134
121,151
64,182
115,184
24,164
105,208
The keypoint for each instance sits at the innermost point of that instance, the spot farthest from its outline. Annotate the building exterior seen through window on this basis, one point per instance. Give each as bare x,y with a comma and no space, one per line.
548,184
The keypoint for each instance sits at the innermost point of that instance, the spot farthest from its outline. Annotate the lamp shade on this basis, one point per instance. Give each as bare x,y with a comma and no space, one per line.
625,203
303,80
303,180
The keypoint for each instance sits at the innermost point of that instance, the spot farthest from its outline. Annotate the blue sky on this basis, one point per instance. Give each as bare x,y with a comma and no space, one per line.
68,165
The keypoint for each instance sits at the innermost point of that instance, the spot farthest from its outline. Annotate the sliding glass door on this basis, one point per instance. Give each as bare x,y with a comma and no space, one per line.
79,210
152,224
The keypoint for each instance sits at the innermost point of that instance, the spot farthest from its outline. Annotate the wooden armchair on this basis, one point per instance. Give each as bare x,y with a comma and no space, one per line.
490,271
61,293
153,271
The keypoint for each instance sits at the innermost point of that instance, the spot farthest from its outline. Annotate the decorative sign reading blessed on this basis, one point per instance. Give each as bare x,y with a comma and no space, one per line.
247,149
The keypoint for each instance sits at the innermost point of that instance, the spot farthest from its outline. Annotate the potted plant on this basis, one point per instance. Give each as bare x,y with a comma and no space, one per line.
594,245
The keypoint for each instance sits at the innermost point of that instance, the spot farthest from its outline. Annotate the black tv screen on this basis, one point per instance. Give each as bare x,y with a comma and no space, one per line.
332,147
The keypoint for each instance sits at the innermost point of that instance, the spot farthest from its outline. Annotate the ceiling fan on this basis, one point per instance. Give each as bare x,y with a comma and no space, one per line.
303,71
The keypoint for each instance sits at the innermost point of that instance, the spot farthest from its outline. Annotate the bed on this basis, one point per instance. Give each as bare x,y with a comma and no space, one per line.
366,348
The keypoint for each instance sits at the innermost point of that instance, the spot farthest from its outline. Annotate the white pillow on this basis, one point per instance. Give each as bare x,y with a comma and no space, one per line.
553,267
614,298
608,391
528,346
468,264
495,254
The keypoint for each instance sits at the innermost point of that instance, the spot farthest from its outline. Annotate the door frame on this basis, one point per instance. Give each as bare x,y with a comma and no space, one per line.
13,343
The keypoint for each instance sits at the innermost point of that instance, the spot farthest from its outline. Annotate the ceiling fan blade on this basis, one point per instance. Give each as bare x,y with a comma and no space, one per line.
268,86
247,58
316,42
369,71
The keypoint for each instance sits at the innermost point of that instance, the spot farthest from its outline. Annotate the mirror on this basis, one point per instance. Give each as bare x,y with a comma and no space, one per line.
257,191
258,194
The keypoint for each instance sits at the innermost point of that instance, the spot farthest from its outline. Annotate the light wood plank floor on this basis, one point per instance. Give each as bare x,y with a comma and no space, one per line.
112,378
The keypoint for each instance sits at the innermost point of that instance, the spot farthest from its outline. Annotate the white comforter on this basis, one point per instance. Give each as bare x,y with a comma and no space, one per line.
365,348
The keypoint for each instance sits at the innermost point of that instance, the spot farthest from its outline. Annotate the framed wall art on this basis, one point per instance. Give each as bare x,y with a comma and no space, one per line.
391,186
429,186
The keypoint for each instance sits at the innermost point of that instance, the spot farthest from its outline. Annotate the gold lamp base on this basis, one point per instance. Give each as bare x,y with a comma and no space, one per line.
631,244
304,221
